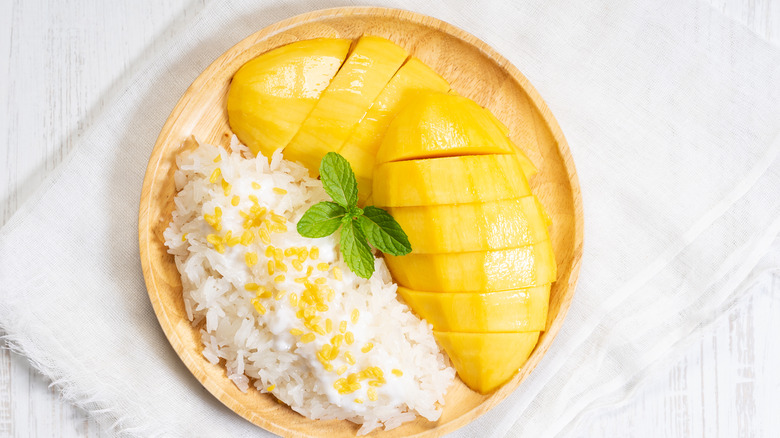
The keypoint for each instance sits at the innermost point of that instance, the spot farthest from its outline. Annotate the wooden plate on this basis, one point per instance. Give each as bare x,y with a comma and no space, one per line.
474,70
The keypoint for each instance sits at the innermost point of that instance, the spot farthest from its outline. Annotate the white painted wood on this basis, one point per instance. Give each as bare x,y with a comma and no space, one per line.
725,385
60,63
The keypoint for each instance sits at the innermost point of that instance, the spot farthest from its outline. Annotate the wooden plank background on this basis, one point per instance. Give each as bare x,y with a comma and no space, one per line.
59,62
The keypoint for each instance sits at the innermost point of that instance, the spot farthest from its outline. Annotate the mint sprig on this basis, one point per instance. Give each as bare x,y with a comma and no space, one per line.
358,226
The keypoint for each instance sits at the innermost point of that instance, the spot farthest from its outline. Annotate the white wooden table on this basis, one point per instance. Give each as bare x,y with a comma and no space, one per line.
59,66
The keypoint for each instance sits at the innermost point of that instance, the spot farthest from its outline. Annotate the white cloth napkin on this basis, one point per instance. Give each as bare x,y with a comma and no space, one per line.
672,113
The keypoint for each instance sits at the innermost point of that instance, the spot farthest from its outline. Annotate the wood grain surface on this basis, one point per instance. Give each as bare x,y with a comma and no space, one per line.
475,71
60,65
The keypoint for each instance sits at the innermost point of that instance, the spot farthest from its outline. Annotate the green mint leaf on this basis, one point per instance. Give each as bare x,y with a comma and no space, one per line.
384,232
338,180
355,212
356,251
321,220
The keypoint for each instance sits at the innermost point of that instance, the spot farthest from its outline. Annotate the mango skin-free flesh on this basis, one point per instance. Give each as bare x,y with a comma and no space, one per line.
476,271
271,95
482,261
461,179
518,310
480,226
484,360
362,144
347,99
442,125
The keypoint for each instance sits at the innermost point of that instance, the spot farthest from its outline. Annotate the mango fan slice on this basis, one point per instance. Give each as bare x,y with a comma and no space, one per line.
271,95
450,180
477,271
442,125
517,310
364,141
480,226
345,101
486,361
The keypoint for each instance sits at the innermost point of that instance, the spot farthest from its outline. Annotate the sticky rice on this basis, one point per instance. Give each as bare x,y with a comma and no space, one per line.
284,313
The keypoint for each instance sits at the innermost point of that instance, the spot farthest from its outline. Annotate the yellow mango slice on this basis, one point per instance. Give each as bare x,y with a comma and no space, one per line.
518,310
271,95
482,260
345,101
477,271
453,228
485,361
441,125
449,180
361,146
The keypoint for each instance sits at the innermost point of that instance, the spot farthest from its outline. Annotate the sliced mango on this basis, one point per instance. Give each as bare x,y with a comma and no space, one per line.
508,223
272,94
477,271
441,125
449,180
485,361
482,260
361,146
345,101
518,310
472,263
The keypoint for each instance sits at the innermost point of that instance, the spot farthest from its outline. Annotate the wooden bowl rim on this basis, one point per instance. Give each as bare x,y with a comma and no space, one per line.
356,12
